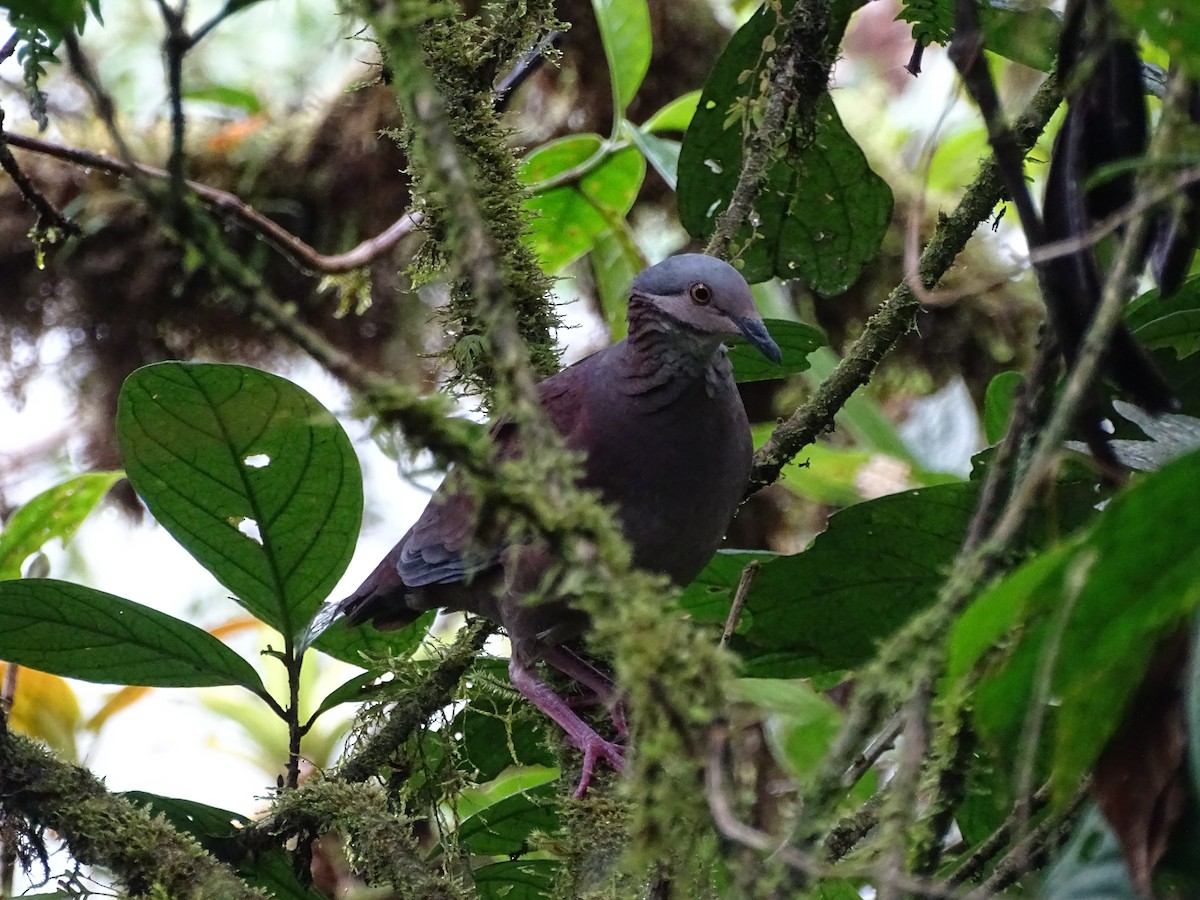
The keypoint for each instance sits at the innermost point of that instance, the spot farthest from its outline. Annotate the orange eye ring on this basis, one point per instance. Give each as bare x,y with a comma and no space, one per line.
701,293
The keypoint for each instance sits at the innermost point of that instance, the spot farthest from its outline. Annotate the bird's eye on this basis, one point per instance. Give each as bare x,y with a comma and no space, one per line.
701,293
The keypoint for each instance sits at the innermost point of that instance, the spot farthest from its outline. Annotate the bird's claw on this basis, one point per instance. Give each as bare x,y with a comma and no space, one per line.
594,749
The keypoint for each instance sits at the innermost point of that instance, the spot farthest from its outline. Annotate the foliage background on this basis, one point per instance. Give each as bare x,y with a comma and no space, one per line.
268,118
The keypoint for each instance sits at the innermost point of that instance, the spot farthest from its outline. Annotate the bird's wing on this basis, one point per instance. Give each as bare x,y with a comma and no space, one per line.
442,547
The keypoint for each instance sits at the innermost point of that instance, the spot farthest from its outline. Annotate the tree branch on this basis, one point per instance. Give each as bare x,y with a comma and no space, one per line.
146,854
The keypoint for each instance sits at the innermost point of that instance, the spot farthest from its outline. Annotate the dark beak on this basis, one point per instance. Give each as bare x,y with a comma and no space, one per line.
756,333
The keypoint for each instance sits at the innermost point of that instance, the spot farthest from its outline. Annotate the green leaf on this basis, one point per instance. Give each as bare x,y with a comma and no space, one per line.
661,153
675,116
75,631
1172,24
55,17
252,475
615,261
1093,609
225,95
581,190
1178,330
54,513
877,564
932,20
795,339
821,213
801,723
625,33
503,829
522,879
360,644
998,404
350,691
1024,34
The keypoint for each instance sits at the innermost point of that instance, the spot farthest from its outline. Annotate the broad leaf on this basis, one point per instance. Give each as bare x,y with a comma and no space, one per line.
998,404
1093,609
876,564
581,188
251,475
503,829
54,513
822,212
795,339
361,644
78,632
625,33
522,879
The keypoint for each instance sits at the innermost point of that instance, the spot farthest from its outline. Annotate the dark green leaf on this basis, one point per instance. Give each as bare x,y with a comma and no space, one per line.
522,879
1192,708
362,644
877,564
1091,865
795,339
503,829
1151,305
251,475
54,513
349,691
75,631
708,597
821,213
998,404
625,33
1178,330
1094,609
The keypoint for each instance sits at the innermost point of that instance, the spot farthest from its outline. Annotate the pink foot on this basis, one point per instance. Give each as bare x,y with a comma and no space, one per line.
579,669
593,751
578,731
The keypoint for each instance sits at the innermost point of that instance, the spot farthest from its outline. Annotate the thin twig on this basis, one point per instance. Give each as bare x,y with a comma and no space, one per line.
879,745
739,600
175,46
231,205
896,315
10,46
975,864
802,62
48,214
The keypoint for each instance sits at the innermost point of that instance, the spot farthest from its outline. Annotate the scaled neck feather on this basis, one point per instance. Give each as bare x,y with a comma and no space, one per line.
664,357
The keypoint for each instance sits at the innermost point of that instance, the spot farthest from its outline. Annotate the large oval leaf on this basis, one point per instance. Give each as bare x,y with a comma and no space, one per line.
251,475
821,213
79,632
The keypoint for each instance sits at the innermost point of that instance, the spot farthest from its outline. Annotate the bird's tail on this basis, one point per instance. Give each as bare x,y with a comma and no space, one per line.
381,599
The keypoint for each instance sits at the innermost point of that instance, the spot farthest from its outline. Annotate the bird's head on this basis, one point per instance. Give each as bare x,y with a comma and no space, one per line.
705,295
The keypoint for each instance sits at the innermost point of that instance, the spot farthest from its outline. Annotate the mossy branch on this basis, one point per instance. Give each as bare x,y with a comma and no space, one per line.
897,315
147,855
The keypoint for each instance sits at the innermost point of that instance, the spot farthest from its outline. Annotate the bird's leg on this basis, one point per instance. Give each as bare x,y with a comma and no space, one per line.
580,733
575,666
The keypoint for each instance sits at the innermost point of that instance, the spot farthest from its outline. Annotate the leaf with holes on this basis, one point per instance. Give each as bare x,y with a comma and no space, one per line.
251,475
79,632
821,213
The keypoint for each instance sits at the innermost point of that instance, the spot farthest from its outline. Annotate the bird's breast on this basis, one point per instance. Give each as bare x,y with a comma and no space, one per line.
676,474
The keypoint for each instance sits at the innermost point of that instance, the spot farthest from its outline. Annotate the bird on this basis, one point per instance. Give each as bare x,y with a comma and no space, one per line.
665,441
